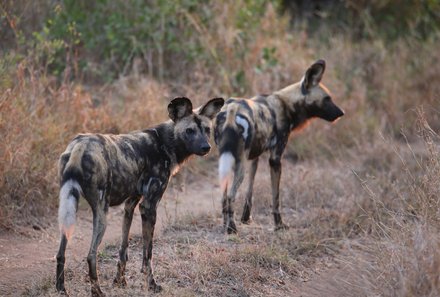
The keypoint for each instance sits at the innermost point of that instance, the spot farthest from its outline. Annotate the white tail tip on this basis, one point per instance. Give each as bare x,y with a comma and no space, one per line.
67,208
225,166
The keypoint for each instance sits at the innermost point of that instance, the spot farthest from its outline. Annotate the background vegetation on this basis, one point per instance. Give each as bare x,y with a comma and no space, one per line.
111,66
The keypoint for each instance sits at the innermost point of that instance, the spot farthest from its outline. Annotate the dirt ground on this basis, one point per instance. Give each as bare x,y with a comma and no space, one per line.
188,222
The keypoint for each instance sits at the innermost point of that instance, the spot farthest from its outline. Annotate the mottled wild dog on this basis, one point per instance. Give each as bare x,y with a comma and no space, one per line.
107,170
245,128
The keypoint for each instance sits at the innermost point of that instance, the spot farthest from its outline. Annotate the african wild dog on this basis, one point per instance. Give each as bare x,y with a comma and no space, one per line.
245,128
108,170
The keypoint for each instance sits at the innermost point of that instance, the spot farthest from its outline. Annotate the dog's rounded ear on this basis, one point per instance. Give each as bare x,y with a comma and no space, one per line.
313,75
179,107
211,108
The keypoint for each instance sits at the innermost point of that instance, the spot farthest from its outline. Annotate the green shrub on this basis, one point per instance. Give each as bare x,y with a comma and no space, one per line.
103,39
390,20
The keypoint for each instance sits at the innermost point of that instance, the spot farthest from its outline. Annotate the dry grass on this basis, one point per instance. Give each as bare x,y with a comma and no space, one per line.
404,244
365,190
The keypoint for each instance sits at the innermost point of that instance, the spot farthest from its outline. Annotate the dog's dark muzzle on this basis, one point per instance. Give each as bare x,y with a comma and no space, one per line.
204,149
332,112
337,113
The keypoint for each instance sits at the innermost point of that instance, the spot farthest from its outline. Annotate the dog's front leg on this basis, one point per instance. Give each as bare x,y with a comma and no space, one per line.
230,199
153,191
99,226
246,216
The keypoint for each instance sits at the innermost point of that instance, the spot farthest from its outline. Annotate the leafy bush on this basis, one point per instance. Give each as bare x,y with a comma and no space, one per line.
104,39
101,40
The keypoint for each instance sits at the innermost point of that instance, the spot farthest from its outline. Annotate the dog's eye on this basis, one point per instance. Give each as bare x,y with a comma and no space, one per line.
190,131
207,130
327,99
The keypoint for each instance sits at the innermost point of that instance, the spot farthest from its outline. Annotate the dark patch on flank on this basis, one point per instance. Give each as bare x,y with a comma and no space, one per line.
273,115
262,115
87,163
127,149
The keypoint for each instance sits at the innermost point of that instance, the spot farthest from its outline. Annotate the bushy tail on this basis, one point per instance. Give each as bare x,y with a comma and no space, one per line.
69,197
231,146
225,167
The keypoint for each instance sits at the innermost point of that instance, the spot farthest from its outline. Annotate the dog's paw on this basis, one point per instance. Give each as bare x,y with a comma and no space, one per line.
231,228
281,226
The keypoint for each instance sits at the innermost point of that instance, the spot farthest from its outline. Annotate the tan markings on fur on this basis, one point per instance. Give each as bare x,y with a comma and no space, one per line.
76,155
183,124
230,115
290,94
251,103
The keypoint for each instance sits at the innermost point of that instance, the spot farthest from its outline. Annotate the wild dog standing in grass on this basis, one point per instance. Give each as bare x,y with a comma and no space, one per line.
108,170
245,128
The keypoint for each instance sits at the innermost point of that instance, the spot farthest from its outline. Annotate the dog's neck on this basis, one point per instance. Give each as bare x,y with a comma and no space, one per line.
293,105
300,116
174,148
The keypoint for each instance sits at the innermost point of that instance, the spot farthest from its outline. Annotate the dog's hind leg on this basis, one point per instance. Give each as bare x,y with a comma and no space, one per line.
228,211
275,176
99,225
130,205
225,208
246,216
60,264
